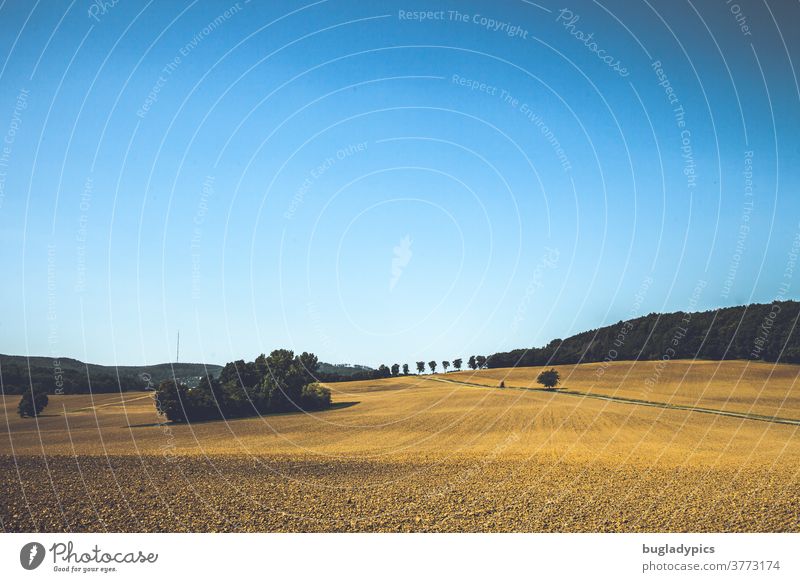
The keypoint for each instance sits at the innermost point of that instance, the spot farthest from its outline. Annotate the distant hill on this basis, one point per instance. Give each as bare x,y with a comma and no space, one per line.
343,369
753,332
76,377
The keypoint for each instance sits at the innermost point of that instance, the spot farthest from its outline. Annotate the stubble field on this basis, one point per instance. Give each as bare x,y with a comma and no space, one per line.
708,447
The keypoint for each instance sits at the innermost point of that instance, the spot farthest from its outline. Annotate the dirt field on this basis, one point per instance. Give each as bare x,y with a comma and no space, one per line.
428,454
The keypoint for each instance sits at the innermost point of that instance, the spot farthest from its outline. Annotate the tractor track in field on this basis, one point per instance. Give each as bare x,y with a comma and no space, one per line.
633,401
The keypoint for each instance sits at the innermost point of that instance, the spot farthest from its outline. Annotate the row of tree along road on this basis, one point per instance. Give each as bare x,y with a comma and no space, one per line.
384,371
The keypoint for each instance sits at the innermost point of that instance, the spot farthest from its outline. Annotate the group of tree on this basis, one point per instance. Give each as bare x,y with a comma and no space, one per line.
474,363
279,382
767,332
384,371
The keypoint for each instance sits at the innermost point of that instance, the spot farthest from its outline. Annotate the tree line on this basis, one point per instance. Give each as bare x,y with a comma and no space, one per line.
384,371
50,378
765,332
70,376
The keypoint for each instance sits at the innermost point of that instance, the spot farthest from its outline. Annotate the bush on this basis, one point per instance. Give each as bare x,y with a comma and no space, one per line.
315,397
32,402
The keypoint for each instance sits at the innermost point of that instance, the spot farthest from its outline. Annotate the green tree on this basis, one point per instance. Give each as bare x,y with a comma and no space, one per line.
472,363
259,367
445,365
405,369
384,371
420,367
315,397
32,403
206,401
212,389
239,400
285,379
309,364
549,378
457,364
432,366
480,361
245,374
171,399
395,369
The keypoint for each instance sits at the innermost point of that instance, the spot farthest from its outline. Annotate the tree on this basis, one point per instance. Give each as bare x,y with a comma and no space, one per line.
384,371
32,402
309,363
457,364
213,388
549,378
206,401
170,399
420,367
285,380
315,397
241,401
395,369
244,374
480,361
445,365
472,363
405,369
259,368
432,366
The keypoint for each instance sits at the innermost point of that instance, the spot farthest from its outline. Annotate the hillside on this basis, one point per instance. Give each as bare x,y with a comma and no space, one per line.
753,332
343,369
76,377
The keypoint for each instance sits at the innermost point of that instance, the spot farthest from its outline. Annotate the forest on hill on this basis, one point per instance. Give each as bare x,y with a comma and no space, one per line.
765,332
70,376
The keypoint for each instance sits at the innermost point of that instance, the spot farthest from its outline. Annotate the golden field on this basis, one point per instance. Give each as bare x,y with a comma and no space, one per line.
428,453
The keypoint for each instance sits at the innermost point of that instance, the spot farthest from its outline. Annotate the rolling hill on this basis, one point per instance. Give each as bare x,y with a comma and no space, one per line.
766,332
76,377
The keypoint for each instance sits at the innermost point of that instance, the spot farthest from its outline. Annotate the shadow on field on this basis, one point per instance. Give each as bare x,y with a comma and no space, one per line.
334,406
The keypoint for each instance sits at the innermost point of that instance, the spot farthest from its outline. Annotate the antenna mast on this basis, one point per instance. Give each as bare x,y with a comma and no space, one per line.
178,350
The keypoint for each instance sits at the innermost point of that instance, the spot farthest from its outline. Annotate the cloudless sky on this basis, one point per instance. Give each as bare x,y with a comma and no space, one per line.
339,177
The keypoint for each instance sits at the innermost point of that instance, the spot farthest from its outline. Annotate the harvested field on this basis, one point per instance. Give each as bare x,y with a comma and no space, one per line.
418,454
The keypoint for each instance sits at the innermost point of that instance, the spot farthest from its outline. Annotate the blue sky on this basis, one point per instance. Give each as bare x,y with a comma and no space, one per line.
345,178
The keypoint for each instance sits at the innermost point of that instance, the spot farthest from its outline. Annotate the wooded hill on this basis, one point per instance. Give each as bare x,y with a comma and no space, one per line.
753,332
17,373
76,377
